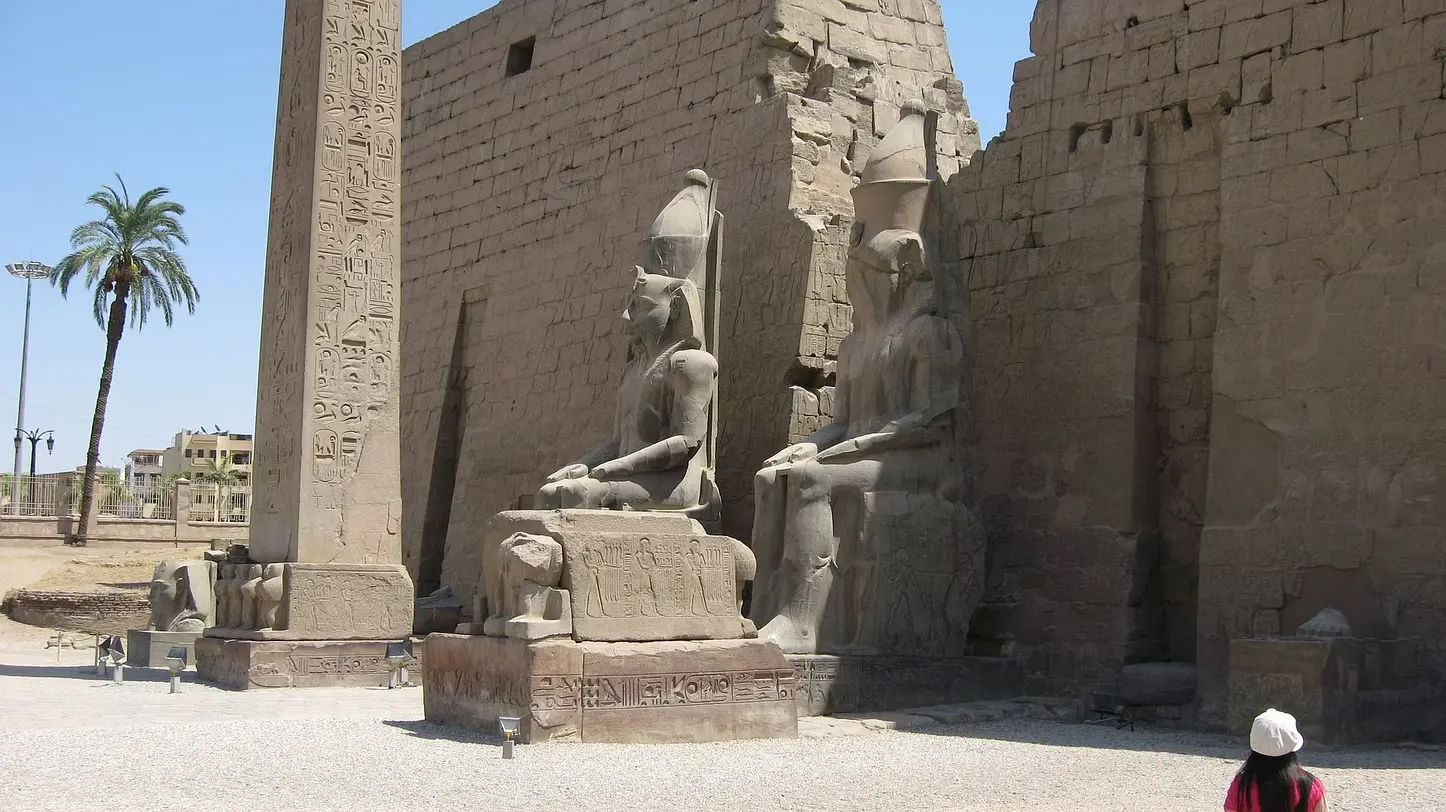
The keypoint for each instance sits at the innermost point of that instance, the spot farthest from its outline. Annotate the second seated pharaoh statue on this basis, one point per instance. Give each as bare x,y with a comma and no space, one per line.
864,535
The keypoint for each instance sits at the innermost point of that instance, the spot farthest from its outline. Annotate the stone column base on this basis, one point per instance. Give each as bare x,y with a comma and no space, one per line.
664,692
300,602
245,664
835,683
147,648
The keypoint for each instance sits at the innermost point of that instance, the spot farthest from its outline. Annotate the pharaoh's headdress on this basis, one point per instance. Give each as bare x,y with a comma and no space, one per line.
677,243
894,185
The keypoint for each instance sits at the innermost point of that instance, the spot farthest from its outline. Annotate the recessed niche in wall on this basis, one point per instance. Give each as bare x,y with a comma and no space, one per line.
519,56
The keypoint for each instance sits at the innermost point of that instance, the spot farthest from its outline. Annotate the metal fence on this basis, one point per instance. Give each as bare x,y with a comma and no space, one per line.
230,504
140,502
41,495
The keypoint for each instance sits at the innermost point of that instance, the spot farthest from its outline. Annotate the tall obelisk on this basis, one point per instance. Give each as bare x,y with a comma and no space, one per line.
325,551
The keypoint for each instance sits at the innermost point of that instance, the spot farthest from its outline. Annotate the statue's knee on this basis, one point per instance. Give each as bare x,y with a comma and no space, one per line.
574,492
812,478
765,480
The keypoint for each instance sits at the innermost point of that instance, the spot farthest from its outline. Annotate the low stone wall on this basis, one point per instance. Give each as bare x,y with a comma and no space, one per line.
125,530
90,612
27,527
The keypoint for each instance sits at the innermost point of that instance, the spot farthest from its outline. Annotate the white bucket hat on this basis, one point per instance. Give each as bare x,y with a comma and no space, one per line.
1274,734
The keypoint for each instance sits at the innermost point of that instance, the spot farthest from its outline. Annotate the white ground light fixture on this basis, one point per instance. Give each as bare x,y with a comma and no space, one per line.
114,651
398,655
176,661
509,725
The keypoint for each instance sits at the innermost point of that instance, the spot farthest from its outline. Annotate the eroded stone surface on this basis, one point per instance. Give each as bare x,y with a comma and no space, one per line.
246,664
182,596
638,576
322,602
612,692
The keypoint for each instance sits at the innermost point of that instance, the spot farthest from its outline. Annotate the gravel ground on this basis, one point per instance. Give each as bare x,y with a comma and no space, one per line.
69,740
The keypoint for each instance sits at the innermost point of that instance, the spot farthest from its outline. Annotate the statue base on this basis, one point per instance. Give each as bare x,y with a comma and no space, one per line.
245,664
830,683
653,693
147,648
321,602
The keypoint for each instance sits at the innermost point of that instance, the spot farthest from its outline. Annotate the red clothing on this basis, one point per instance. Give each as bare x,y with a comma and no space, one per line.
1317,792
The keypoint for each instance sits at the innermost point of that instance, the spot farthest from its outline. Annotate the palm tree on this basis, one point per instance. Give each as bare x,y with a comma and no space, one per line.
220,473
129,260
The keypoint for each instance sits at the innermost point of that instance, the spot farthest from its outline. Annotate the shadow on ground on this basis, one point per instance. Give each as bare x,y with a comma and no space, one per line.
87,673
430,730
1189,743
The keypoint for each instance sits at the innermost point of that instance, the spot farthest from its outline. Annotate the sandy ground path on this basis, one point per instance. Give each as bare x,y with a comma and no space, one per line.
69,740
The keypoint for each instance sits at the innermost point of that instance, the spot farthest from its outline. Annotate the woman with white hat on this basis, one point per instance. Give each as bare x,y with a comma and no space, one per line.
1272,779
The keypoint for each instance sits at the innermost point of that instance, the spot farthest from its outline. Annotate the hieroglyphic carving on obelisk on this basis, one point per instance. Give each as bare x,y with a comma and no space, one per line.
327,486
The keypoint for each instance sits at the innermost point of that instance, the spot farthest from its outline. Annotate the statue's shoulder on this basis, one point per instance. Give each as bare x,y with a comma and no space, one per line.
694,364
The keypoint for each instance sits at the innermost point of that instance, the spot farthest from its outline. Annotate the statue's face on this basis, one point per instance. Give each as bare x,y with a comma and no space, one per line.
649,307
163,593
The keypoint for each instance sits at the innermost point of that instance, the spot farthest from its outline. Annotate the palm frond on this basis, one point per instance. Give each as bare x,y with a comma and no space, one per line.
131,251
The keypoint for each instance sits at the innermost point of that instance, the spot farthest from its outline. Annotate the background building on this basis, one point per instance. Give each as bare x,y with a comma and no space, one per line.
192,454
144,468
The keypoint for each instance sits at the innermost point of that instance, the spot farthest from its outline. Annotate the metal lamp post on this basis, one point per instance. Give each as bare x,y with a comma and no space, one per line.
29,271
35,436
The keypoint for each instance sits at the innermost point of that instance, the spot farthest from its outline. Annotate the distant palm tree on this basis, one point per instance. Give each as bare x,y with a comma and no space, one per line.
220,473
131,253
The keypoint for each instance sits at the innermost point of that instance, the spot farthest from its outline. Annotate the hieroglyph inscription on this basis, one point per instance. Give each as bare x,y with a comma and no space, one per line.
655,578
354,285
327,408
670,690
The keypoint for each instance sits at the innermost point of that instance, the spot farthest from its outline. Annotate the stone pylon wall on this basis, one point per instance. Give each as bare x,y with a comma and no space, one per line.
526,198
1202,264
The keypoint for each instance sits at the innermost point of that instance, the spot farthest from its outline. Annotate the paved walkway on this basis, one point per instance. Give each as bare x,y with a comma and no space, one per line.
70,740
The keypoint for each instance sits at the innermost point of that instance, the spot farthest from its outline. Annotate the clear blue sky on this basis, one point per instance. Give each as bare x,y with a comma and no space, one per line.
182,94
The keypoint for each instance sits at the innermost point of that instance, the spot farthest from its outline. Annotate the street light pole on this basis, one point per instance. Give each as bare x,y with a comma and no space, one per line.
35,436
29,271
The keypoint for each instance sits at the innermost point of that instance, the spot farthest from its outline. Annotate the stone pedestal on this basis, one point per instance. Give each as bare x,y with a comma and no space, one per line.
245,664
828,683
1315,680
630,576
320,602
147,648
661,692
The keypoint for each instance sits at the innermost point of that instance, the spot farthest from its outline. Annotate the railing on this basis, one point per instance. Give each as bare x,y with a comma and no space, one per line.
42,495
230,504
141,502
59,495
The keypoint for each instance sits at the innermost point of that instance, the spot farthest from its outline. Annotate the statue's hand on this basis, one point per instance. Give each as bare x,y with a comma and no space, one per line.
575,471
605,470
862,444
798,452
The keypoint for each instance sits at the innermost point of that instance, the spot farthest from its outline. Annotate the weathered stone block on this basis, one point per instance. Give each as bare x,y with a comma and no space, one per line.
827,683
147,648
612,692
245,664
335,602
639,576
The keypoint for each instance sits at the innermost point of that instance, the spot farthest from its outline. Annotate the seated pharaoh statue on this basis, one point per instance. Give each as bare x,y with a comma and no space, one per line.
630,518
864,536
659,456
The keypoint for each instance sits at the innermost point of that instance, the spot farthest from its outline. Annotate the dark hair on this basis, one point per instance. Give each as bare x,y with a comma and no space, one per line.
1273,777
